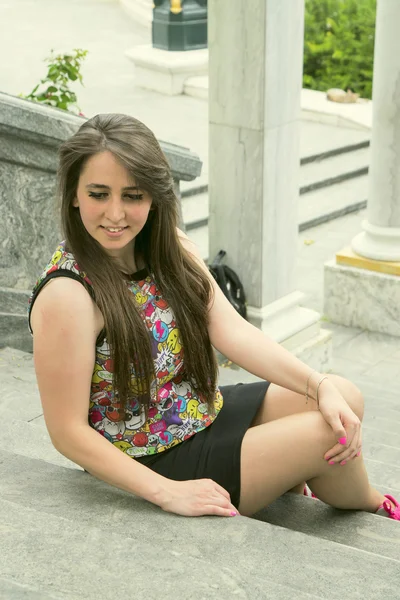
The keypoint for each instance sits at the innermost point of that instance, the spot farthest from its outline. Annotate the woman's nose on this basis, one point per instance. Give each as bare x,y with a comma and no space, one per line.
115,210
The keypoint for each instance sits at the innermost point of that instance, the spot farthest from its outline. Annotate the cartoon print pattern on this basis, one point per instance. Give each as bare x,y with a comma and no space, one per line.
176,410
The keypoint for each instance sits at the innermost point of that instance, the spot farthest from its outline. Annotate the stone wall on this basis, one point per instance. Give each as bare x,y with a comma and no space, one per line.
30,135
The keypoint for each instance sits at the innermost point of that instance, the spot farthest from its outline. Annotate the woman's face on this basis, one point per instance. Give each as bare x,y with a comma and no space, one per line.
113,210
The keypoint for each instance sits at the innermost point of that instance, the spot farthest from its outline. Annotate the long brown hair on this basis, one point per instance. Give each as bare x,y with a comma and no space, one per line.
179,278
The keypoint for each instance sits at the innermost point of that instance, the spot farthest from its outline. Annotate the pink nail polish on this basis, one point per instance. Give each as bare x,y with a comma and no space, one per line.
332,462
233,513
343,462
343,441
359,453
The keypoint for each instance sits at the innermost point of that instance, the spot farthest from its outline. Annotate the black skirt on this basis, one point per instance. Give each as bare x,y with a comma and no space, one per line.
214,452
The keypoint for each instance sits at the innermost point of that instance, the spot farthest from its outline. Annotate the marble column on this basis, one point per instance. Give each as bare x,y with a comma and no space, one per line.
381,236
369,269
255,80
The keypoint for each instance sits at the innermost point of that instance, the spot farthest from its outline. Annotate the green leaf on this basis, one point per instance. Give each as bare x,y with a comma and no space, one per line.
62,69
35,88
339,44
337,54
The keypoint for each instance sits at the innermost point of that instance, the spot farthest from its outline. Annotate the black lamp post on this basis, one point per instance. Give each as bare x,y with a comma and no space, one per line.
179,24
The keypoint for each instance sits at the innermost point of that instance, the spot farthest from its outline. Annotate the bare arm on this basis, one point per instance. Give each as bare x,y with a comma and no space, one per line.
247,346
64,336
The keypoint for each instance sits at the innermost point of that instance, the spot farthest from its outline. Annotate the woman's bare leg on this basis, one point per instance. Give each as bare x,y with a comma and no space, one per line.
275,456
280,402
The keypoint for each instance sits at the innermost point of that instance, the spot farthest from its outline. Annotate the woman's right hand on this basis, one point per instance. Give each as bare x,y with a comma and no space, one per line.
197,497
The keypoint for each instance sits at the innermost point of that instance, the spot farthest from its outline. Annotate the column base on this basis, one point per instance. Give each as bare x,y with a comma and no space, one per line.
349,258
296,328
378,243
362,298
166,71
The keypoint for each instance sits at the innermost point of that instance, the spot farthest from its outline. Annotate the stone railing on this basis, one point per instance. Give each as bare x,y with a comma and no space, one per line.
30,135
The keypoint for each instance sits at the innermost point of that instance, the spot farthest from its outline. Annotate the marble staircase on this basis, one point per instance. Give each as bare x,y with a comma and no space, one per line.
67,536
333,182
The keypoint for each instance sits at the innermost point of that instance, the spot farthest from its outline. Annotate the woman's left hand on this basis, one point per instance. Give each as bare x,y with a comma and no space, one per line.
344,422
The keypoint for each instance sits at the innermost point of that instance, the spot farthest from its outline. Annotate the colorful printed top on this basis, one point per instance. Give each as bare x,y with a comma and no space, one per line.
177,411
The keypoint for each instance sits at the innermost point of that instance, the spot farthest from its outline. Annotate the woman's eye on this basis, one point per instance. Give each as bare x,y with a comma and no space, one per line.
135,196
102,195
97,195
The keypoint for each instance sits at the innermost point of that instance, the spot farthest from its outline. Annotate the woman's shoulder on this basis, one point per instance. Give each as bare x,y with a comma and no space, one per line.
63,258
62,262
64,269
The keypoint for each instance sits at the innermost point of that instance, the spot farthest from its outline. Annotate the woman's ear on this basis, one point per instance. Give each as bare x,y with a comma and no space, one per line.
75,202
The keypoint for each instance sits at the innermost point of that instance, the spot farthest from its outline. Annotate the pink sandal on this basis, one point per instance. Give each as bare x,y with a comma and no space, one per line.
307,492
386,506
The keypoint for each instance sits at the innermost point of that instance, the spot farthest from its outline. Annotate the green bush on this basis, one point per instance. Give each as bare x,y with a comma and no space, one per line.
339,45
54,90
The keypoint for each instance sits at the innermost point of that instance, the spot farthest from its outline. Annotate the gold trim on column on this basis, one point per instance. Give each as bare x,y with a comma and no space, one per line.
348,258
176,6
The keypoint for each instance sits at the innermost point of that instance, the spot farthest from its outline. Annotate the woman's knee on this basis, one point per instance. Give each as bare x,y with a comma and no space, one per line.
351,393
276,455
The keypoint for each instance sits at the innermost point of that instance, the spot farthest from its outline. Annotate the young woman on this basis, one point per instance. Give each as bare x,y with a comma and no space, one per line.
124,321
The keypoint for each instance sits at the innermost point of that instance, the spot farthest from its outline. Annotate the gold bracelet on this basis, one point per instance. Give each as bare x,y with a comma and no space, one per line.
324,377
308,381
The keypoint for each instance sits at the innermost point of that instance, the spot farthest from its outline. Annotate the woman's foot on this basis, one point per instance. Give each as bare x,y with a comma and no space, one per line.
307,492
389,507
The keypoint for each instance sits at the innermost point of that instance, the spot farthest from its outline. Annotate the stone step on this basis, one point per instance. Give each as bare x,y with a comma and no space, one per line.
315,207
383,453
199,235
10,590
387,427
379,401
32,441
383,475
389,389
377,436
198,186
318,141
365,531
84,523
13,331
194,210
323,170
13,301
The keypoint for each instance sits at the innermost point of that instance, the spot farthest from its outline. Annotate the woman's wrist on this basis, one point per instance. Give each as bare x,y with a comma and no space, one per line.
162,492
314,383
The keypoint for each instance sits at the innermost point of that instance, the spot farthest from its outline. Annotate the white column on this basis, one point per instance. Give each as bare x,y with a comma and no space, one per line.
380,239
255,80
362,283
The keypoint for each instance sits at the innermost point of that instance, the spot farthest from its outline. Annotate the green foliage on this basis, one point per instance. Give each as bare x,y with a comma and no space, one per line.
339,45
53,89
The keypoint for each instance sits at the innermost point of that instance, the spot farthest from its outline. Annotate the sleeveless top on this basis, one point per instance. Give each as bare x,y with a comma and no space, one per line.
177,411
